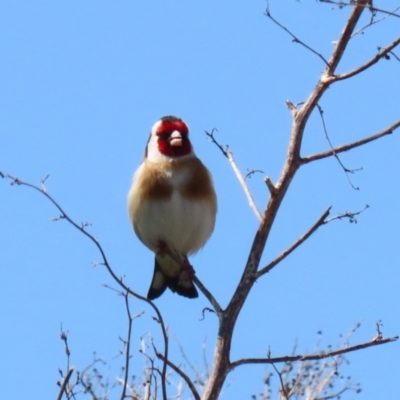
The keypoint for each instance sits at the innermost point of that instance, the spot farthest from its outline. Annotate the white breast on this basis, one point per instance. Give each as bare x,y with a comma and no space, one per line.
183,224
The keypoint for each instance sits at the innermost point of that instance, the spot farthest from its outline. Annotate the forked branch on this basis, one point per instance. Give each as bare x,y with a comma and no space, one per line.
321,221
382,53
293,162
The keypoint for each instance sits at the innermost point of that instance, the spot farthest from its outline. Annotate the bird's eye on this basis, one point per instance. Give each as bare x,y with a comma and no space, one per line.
164,135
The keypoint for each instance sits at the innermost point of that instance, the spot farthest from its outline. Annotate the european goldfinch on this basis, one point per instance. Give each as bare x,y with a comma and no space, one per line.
172,203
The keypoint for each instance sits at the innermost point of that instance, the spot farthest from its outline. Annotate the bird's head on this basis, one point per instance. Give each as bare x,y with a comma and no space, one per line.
169,139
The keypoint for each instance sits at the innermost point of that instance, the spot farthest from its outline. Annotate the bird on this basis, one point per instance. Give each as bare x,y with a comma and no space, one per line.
172,205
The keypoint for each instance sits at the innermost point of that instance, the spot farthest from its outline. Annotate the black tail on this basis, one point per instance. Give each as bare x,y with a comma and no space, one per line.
161,281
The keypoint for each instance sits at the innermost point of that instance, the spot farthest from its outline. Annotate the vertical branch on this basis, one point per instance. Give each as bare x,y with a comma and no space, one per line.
222,363
127,346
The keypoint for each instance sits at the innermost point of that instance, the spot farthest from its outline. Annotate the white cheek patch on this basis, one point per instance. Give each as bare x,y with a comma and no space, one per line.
153,154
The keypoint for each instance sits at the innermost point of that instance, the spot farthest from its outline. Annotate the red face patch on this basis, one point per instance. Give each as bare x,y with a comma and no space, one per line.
164,132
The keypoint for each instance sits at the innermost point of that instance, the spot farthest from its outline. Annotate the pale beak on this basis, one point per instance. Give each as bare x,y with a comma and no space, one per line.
175,139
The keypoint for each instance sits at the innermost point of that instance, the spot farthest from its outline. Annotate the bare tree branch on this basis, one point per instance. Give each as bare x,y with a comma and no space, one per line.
209,296
188,381
368,5
346,170
348,214
127,345
394,55
318,156
344,39
271,360
295,38
293,162
242,180
65,383
283,389
81,228
375,21
183,262
382,53
321,221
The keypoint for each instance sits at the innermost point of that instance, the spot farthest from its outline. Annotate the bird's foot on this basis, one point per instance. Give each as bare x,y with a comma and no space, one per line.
162,247
187,271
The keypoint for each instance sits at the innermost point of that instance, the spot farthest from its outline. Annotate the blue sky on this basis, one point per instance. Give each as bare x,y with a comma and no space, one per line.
81,85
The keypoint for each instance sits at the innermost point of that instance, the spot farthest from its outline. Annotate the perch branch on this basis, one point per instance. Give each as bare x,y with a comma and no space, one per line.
183,262
81,228
208,295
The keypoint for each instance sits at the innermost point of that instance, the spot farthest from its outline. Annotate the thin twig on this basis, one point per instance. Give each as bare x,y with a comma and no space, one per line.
348,214
229,155
195,370
127,345
318,156
320,356
81,228
394,55
373,22
297,243
281,380
381,54
252,172
295,38
346,170
218,309
183,263
65,383
188,381
342,4
344,39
